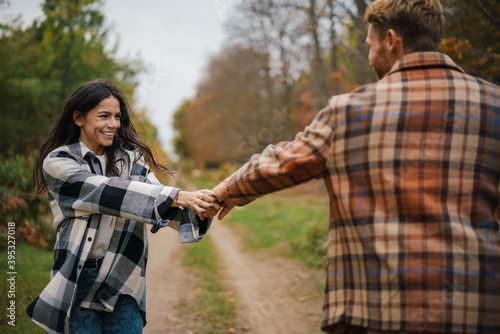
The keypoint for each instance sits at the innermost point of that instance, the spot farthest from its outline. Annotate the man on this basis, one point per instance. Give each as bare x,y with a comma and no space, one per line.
412,166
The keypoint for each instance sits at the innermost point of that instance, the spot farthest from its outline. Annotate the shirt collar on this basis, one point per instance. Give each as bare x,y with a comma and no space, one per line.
85,150
79,146
424,60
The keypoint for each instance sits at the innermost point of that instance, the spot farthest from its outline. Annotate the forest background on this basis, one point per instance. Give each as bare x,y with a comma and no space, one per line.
281,62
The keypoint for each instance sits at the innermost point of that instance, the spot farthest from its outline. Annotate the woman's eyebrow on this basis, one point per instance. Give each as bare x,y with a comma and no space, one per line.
107,112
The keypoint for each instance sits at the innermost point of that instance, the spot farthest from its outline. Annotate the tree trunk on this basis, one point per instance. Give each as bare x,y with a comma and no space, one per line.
319,66
334,66
361,54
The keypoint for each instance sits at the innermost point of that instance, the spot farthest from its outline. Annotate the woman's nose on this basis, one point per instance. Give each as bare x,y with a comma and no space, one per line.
114,123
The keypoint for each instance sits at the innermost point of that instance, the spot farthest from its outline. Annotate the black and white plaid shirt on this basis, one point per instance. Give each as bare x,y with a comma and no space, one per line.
80,196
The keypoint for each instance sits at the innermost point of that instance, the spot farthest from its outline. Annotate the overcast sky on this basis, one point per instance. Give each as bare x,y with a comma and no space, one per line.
174,38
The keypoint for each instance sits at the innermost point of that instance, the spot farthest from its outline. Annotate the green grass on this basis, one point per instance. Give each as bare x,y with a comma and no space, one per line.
33,273
294,225
212,301
203,180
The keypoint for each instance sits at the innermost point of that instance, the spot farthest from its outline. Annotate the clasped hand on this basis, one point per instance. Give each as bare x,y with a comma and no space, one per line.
206,203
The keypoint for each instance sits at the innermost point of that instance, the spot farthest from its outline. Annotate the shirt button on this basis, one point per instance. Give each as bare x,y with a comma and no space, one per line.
80,267
89,239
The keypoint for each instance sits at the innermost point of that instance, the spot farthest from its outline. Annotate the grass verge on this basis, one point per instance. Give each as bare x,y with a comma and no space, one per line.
213,303
33,273
293,225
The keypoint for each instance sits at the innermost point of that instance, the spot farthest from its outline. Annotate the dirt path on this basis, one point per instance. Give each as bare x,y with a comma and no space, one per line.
273,295
167,285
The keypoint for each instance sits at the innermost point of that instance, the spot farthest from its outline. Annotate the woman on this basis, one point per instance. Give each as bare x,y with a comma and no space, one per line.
102,193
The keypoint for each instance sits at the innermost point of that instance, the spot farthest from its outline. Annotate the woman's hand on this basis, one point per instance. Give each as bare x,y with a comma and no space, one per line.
204,202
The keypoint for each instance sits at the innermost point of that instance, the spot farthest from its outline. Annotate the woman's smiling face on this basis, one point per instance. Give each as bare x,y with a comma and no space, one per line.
99,126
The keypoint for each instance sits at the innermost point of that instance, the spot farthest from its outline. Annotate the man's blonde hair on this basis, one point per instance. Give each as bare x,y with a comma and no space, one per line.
419,22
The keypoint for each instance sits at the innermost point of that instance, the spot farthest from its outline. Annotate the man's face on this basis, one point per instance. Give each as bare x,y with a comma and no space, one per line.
379,54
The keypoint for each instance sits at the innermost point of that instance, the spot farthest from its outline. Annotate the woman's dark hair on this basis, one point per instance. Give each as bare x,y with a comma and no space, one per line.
83,100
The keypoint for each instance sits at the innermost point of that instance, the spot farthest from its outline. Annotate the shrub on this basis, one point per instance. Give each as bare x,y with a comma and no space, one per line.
313,246
30,214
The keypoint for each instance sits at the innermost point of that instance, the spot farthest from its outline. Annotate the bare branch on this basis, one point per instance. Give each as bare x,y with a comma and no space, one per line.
488,11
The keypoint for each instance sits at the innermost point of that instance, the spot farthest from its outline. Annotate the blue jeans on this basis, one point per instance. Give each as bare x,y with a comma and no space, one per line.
126,317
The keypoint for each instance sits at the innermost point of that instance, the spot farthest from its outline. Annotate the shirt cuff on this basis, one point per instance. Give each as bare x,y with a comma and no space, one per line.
164,213
192,228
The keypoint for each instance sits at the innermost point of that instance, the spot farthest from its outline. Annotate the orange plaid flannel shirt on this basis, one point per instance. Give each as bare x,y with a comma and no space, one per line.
412,167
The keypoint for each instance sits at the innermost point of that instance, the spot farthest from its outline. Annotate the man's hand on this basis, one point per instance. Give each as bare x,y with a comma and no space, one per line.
225,202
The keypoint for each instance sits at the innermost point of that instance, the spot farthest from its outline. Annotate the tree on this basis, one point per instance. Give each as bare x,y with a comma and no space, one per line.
180,129
41,65
332,31
226,118
44,63
273,28
271,75
472,36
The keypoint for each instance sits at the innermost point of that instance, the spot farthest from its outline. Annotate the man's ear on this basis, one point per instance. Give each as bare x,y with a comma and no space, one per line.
76,118
394,43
